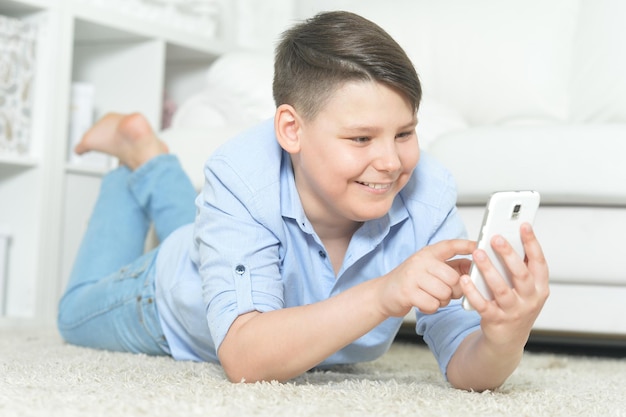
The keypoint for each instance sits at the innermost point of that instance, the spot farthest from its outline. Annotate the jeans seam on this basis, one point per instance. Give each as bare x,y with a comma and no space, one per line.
103,311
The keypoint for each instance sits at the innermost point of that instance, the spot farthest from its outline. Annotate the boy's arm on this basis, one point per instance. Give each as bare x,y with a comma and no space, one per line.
282,344
477,366
486,358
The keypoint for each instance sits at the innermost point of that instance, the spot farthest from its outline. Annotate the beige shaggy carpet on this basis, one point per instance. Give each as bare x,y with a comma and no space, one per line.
42,376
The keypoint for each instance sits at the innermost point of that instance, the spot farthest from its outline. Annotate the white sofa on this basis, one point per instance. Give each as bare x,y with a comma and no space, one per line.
518,95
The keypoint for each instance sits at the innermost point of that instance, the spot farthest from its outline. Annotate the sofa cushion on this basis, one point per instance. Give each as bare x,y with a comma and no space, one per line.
567,164
598,84
238,90
435,119
583,244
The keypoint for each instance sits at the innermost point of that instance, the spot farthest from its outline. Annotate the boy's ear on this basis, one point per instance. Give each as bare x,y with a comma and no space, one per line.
287,126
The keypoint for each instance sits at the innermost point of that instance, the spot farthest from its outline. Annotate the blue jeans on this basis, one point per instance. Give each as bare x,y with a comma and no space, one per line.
109,300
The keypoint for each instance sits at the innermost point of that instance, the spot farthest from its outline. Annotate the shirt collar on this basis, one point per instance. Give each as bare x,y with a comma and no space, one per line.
290,204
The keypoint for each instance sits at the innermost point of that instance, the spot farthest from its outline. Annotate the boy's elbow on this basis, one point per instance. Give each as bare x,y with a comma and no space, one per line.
236,377
233,365
240,363
238,371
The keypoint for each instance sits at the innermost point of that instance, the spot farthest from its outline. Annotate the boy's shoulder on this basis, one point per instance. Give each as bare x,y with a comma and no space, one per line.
252,158
251,150
256,141
431,184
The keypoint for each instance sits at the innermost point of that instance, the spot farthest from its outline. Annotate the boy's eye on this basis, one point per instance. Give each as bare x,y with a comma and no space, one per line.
404,135
361,139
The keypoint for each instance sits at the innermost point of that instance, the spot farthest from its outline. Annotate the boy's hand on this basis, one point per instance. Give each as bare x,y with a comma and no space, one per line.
508,319
426,280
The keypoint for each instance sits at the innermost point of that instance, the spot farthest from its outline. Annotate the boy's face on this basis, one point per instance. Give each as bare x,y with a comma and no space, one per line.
356,154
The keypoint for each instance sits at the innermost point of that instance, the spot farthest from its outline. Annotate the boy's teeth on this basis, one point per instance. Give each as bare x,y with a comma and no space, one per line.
375,186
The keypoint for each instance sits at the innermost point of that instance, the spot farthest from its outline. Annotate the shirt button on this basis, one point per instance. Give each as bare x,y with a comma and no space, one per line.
240,269
322,254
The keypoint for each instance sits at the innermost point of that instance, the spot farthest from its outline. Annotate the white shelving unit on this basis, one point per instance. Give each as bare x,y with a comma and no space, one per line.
45,200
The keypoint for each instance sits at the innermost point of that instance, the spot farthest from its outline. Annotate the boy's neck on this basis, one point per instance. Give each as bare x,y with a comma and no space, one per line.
336,241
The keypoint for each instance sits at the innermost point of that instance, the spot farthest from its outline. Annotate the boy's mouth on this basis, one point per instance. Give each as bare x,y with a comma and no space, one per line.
375,186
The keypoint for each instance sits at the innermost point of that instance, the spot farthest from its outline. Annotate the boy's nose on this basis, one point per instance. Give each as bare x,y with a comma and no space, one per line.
388,158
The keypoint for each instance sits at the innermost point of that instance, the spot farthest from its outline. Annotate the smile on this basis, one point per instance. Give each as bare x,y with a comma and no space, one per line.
375,186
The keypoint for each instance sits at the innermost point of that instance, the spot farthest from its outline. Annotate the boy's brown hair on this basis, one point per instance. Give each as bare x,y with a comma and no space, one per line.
317,56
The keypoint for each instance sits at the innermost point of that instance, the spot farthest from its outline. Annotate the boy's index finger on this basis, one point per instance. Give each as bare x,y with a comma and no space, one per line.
447,249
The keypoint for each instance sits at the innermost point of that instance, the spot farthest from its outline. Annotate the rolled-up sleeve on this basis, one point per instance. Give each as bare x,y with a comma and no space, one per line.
236,255
444,330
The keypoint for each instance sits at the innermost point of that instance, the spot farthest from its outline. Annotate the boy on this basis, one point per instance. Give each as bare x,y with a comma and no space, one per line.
315,233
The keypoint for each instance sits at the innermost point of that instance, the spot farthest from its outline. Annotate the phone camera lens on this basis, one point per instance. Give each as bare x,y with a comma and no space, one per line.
516,209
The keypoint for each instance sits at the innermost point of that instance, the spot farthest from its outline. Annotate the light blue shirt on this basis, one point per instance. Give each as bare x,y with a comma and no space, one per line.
252,248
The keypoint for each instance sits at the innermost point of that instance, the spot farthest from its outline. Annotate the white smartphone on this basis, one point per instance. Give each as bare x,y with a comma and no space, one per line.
505,213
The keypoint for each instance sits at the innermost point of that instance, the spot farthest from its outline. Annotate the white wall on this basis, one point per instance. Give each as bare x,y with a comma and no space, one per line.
259,23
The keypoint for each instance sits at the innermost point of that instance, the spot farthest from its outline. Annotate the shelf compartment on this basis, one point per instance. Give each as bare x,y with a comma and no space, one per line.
23,7
115,20
86,170
126,71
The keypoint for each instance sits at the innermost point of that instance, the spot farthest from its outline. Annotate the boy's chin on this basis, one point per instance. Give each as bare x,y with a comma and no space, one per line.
372,213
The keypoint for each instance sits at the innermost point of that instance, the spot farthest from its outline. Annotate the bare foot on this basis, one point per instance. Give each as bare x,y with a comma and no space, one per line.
127,137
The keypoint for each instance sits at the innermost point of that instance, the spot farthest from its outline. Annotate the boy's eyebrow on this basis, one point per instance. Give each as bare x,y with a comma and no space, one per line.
374,129
411,124
362,128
